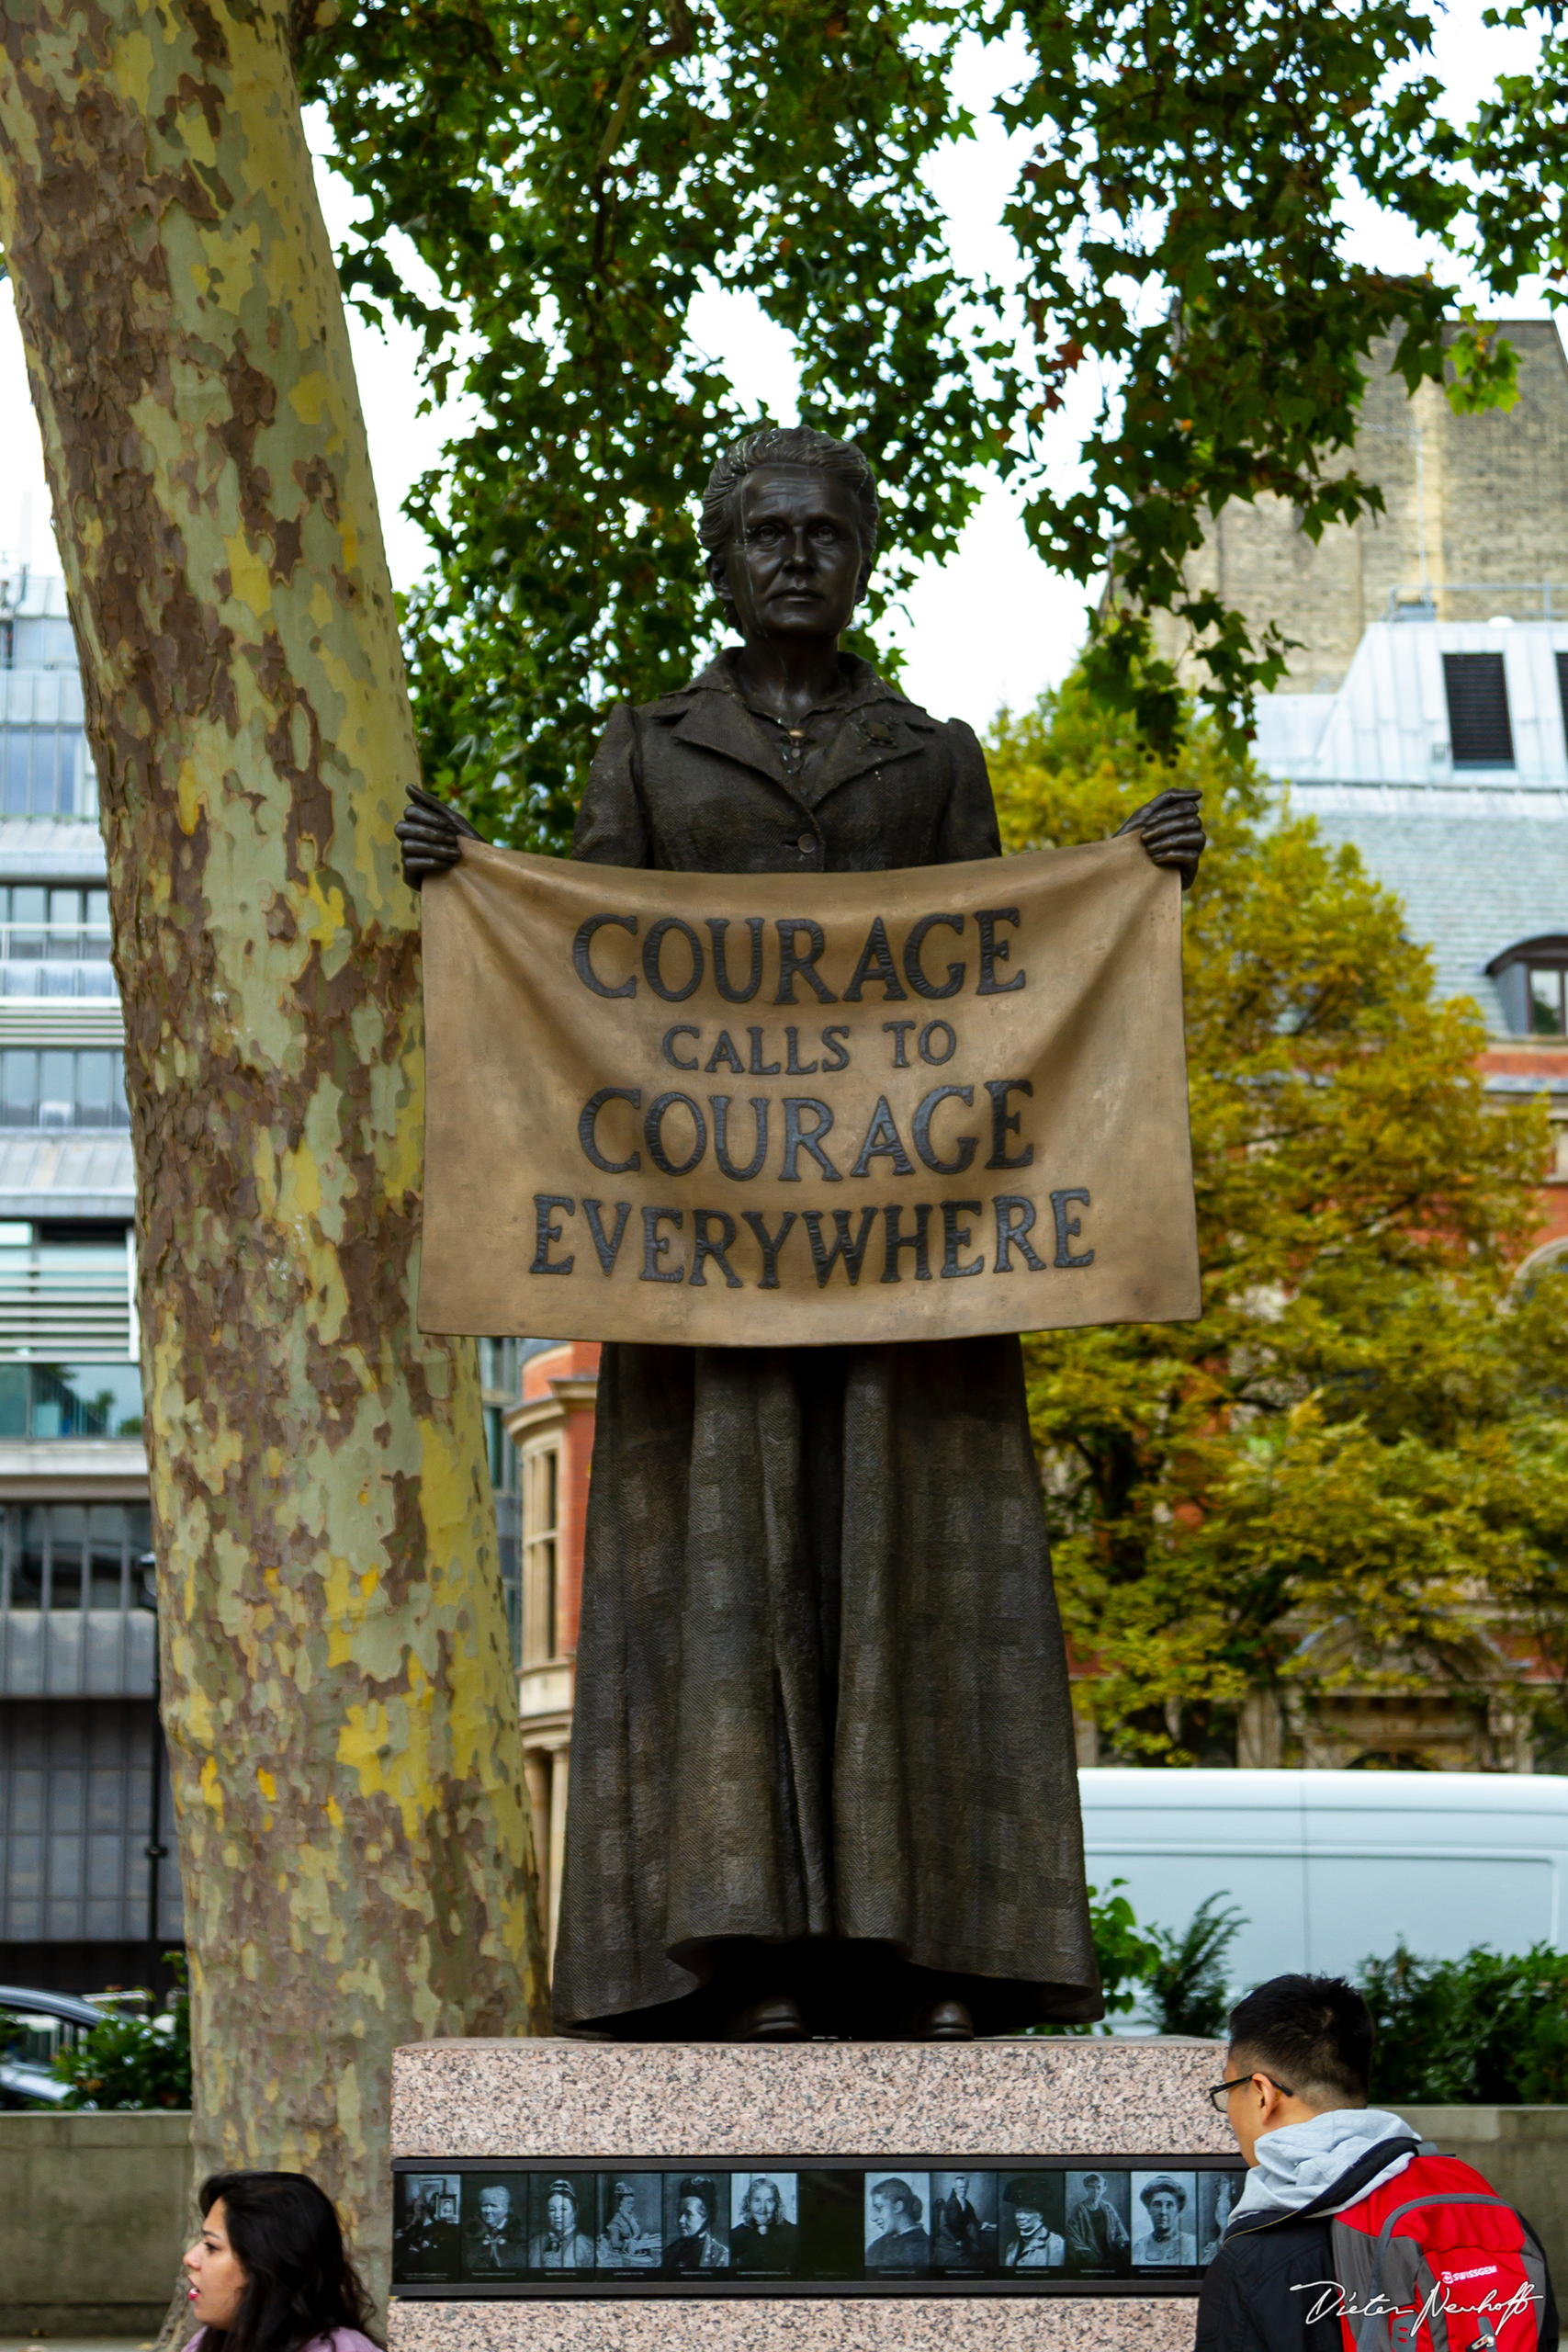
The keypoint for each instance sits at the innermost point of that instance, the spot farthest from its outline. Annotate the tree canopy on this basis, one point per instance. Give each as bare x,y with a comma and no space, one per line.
1355,1467
570,184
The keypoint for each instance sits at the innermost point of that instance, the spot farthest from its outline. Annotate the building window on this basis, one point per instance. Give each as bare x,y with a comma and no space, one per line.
1546,1004
62,1088
54,942
1532,981
75,1808
57,1556
1477,693
38,768
70,1401
69,1625
541,1552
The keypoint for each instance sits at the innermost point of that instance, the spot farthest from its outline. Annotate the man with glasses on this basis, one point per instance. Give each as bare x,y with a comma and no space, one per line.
1294,2093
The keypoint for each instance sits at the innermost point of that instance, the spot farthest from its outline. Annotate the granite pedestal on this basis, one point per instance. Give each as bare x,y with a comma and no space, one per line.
580,2107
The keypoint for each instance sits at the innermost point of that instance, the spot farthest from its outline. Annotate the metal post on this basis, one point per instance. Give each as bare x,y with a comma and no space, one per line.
156,1852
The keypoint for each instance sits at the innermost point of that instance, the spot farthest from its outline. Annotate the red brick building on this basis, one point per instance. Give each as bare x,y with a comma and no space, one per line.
552,1427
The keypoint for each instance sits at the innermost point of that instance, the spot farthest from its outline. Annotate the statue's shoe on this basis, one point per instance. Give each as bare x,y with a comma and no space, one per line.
942,2021
775,2017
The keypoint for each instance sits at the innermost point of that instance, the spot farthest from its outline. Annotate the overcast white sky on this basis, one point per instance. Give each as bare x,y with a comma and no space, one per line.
992,625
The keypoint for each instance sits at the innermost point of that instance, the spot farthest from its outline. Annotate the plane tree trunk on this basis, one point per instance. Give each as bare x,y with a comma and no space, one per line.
338,1696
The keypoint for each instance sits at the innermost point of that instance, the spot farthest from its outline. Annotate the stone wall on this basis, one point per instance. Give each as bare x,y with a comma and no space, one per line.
1467,499
93,2222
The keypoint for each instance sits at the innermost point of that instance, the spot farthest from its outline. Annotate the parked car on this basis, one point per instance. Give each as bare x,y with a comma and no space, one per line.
43,2023
1330,1867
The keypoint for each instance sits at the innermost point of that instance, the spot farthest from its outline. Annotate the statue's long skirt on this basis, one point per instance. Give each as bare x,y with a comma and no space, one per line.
821,1690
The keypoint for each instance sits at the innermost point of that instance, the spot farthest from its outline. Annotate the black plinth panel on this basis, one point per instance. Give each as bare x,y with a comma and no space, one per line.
467,2228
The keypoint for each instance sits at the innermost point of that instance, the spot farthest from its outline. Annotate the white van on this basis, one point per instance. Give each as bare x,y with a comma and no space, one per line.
1333,1867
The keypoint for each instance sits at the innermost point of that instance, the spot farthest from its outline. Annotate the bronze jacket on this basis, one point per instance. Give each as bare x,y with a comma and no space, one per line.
704,782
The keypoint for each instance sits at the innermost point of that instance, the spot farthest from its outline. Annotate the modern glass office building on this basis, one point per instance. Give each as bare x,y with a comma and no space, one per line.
82,1781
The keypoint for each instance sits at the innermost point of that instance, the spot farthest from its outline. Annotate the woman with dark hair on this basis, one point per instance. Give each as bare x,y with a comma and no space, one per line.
270,2272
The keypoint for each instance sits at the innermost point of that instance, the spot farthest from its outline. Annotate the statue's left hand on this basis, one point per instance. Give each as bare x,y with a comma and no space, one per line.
1172,830
432,834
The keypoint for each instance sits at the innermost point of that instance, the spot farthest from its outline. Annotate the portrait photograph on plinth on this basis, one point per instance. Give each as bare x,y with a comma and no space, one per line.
963,2221
897,2235
424,2225
1164,2220
1099,2224
1217,2194
764,2233
495,2225
696,2222
562,2211
631,2220
1031,2222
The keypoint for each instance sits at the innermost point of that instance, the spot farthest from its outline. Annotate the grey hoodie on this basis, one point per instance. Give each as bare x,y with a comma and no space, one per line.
1298,2160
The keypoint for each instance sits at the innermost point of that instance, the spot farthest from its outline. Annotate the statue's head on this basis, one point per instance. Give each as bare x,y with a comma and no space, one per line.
789,523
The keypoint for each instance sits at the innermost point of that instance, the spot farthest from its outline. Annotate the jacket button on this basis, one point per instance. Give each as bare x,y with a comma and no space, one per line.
807,843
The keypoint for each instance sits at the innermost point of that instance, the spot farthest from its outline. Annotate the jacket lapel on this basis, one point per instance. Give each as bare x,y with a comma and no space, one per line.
872,737
717,722
873,733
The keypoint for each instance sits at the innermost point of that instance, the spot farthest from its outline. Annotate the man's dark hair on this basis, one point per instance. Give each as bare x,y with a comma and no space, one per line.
786,444
1312,2035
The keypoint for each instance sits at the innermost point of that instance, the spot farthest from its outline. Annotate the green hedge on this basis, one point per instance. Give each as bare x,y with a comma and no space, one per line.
1489,2030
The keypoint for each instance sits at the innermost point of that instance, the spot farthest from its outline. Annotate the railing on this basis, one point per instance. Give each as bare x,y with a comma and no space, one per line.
70,943
1422,599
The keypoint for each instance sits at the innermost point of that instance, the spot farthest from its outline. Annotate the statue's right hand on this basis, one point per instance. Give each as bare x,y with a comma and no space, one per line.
432,834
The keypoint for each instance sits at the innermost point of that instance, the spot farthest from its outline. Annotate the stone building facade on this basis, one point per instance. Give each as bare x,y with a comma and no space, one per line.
552,1431
1475,521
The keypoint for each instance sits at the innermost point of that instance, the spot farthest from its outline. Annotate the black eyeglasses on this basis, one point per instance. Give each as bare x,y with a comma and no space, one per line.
1220,2092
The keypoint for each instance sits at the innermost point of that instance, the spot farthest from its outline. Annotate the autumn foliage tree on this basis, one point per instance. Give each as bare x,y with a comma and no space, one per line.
1366,1431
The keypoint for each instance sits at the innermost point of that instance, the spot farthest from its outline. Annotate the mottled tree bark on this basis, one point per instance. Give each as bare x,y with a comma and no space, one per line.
348,1781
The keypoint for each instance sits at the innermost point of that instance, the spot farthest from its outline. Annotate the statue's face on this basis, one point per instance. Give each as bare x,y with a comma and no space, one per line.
794,559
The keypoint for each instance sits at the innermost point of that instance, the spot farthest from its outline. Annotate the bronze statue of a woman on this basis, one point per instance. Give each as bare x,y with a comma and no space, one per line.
823,1773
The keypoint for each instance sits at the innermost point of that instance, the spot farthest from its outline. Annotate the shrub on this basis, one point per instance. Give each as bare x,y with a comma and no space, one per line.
1187,1984
129,2062
1489,2029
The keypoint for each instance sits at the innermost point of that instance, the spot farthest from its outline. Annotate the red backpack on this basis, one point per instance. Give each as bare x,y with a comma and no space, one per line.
1436,2261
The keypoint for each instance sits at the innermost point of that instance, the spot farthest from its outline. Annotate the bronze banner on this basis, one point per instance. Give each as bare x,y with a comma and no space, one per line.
756,1110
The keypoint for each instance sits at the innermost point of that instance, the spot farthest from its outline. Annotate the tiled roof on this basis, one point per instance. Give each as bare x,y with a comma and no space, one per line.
1475,871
